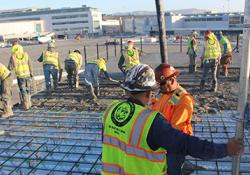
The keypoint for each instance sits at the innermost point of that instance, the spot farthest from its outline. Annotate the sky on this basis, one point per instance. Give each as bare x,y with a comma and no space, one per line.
113,6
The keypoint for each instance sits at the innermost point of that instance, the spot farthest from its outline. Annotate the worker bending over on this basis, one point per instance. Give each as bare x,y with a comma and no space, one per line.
21,63
51,66
91,74
73,64
176,104
6,87
136,139
129,58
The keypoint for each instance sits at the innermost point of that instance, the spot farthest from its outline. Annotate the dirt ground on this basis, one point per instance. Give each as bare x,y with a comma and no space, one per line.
205,102
224,99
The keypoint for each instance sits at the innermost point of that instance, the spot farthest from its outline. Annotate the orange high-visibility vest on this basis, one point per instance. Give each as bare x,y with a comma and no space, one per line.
167,105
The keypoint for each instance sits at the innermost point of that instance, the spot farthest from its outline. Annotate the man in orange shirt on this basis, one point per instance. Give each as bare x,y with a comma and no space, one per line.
177,106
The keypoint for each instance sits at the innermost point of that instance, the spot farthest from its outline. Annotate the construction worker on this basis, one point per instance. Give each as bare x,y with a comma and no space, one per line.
191,52
6,87
51,66
210,58
73,64
226,52
129,58
91,74
20,62
176,104
15,47
135,138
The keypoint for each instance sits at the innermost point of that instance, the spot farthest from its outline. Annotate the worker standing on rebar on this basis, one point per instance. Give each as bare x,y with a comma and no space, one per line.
192,52
91,74
210,58
73,64
176,104
136,139
6,87
130,57
21,63
51,66
226,52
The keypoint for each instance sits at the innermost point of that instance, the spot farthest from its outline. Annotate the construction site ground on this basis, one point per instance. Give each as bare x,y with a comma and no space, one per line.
61,133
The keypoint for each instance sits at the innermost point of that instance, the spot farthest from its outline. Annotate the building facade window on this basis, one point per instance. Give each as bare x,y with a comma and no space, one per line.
38,28
97,25
70,16
70,22
62,29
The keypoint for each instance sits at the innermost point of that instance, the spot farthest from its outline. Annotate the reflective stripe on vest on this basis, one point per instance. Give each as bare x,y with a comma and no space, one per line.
51,58
113,168
212,49
224,40
125,145
76,57
4,72
138,126
132,150
131,58
175,98
20,62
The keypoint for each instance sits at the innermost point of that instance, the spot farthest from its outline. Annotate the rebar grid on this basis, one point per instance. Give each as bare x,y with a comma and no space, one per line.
66,142
47,142
219,128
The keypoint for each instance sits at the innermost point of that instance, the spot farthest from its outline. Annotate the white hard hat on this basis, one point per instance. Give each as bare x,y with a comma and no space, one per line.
51,45
140,78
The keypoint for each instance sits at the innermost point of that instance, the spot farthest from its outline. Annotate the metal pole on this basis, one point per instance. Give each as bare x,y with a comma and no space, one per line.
162,30
115,46
244,78
237,44
141,43
107,50
97,50
85,55
181,44
121,44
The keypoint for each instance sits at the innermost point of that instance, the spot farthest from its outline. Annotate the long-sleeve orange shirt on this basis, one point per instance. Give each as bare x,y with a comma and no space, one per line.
178,115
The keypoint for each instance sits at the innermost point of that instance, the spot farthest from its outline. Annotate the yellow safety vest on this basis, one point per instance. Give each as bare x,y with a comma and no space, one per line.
224,40
101,63
21,65
4,72
131,58
51,58
190,39
16,48
125,149
76,57
212,50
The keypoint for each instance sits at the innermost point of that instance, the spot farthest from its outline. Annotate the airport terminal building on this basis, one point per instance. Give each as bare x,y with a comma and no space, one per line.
79,20
182,24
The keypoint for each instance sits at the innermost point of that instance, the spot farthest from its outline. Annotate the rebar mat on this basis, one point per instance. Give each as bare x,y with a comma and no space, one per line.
65,142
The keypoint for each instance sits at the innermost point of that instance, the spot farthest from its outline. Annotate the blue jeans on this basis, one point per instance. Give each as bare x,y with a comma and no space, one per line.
48,70
91,75
175,162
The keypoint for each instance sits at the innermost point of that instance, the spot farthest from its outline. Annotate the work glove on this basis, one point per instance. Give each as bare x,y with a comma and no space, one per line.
235,147
31,75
